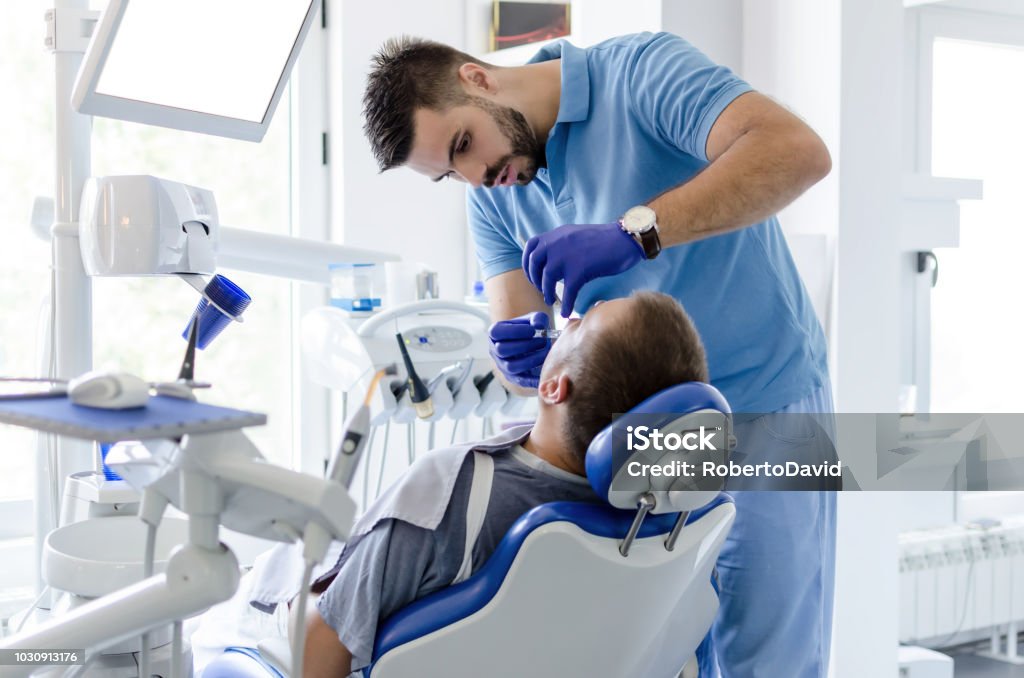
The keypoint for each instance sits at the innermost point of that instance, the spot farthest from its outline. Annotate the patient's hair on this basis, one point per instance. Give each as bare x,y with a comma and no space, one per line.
656,348
408,74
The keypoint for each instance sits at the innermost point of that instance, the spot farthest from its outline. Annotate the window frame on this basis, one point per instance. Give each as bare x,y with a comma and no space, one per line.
310,218
956,24
924,26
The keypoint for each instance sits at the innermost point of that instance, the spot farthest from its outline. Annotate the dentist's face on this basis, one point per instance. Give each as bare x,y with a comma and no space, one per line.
481,143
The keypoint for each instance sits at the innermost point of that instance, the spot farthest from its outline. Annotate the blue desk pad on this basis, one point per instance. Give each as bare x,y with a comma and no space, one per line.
162,417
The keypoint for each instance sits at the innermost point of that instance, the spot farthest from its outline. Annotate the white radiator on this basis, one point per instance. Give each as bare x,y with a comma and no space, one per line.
960,578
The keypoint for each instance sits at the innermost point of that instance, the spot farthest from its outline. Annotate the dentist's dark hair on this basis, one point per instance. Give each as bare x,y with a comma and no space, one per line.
657,347
408,74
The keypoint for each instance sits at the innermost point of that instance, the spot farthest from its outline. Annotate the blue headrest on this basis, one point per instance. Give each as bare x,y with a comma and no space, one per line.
605,453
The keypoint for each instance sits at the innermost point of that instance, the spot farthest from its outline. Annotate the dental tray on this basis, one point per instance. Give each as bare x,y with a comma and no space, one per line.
162,417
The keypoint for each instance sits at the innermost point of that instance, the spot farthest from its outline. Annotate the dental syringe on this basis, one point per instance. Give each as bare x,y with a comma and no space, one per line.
547,334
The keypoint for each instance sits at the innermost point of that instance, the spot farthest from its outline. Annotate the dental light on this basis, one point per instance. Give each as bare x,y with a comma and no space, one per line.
142,225
165,63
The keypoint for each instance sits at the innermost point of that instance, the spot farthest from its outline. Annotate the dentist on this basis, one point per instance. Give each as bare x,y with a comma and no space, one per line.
640,164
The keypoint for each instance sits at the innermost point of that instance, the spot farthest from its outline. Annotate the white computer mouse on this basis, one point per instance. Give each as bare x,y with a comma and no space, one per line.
108,390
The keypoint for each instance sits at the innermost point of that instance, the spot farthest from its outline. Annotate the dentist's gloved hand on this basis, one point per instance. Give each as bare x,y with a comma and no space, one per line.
518,354
576,254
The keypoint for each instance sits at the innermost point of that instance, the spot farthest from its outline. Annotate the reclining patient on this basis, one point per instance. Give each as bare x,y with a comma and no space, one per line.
618,354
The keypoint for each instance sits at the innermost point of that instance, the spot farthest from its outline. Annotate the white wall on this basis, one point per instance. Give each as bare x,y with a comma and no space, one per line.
715,27
870,195
791,53
602,19
399,210
814,57
866,625
796,62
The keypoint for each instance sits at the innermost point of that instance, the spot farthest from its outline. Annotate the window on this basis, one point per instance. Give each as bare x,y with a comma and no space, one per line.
975,132
976,331
138,322
26,135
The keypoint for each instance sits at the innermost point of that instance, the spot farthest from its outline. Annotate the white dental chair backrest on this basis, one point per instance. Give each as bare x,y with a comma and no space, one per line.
571,605
557,598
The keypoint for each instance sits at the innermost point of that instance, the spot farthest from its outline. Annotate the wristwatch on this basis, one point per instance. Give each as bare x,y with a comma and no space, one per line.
641,223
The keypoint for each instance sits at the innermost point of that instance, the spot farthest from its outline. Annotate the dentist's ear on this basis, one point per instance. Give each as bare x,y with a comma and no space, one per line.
555,389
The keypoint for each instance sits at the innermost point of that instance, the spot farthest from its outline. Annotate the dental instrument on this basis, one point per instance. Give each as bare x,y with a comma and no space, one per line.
446,343
15,388
443,374
547,334
463,367
456,384
316,538
356,431
483,382
419,394
182,387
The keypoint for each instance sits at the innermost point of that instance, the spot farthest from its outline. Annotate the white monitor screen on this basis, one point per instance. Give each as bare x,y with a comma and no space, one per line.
222,58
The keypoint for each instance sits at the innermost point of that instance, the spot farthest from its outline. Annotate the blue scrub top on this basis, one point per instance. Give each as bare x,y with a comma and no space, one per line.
633,121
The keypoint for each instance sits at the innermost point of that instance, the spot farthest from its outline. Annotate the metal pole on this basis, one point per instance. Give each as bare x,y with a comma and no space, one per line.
73,289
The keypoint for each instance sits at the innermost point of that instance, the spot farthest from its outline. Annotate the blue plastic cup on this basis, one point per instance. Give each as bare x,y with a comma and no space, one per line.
225,295
107,473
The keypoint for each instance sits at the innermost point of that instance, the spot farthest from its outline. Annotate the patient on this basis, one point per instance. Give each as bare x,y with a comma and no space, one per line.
620,353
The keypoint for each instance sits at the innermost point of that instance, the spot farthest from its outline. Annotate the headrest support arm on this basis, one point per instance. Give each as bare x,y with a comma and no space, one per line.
647,503
670,543
644,506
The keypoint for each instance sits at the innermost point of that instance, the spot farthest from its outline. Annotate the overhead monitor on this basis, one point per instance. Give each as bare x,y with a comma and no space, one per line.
212,66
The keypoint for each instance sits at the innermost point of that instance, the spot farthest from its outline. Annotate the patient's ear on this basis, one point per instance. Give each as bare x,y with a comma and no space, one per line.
555,389
476,79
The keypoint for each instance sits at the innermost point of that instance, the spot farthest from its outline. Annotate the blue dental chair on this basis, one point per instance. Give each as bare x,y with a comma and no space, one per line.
584,590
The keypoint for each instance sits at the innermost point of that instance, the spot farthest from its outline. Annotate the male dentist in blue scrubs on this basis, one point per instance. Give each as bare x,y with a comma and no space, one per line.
640,164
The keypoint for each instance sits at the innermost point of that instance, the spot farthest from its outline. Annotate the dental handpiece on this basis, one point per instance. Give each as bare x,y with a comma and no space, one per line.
547,334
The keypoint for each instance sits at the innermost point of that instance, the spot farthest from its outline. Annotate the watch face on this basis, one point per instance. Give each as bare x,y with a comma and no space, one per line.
638,219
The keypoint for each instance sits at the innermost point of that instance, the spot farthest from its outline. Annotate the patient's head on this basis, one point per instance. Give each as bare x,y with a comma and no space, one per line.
620,353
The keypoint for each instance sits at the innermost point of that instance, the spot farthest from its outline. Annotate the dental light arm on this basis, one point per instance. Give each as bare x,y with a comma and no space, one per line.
175,228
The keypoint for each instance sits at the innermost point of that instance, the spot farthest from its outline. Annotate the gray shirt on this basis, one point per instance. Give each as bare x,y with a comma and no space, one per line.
397,563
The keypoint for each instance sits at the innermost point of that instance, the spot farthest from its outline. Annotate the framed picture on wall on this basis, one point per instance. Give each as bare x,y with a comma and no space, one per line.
522,23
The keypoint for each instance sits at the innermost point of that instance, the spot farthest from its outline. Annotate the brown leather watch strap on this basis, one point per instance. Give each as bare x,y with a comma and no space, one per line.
651,243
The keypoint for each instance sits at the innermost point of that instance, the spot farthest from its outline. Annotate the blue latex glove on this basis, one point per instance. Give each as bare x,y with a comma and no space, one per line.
518,354
576,254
